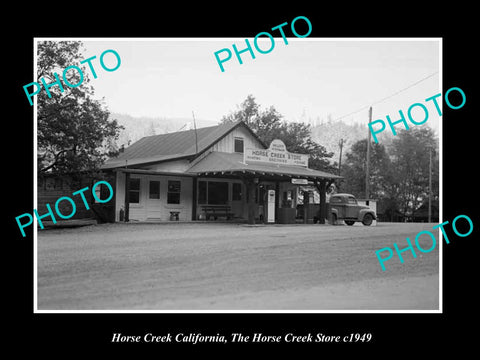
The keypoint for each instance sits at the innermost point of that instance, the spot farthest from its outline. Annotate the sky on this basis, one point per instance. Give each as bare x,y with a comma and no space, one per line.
308,78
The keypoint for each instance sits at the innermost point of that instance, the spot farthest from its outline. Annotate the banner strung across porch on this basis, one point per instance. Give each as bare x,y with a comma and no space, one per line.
276,154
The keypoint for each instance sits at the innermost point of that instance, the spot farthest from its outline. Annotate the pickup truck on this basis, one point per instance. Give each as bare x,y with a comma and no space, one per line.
345,207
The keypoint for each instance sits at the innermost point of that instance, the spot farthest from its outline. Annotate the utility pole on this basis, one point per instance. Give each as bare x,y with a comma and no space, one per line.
195,128
367,175
340,143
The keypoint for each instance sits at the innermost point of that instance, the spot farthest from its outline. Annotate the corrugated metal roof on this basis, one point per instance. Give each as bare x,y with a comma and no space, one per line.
170,146
232,162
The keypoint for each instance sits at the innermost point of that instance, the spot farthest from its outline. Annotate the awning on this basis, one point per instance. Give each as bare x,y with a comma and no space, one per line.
225,164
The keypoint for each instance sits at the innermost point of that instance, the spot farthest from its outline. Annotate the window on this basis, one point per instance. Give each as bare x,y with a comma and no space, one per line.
50,184
53,184
236,192
287,198
154,189
239,145
173,194
217,193
134,191
213,192
102,192
336,199
98,193
202,192
352,200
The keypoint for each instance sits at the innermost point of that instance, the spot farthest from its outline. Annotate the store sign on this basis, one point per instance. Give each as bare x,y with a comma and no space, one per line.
300,181
276,154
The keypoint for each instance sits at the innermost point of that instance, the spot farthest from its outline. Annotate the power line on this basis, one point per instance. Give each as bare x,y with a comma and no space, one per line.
388,97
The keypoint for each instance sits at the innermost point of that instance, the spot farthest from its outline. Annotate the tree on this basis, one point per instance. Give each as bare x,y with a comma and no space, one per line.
410,151
269,124
399,173
354,170
74,131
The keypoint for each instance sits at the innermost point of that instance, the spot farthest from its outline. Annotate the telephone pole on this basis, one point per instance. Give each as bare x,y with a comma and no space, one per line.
367,175
195,129
340,143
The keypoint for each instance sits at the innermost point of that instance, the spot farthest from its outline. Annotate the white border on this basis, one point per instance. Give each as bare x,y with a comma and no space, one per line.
35,184
35,230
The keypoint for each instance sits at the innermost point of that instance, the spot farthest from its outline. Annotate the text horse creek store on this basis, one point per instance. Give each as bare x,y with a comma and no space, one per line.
220,172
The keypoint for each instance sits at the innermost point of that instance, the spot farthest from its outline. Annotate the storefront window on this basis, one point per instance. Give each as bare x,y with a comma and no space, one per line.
173,194
213,192
202,192
287,199
217,193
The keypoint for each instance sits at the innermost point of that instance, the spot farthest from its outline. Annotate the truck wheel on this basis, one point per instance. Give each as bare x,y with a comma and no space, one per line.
367,220
349,222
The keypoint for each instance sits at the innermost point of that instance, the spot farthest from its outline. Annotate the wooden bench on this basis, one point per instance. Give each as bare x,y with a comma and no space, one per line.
217,210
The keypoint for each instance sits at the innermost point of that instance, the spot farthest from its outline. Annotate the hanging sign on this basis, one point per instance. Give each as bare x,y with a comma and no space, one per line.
276,154
300,181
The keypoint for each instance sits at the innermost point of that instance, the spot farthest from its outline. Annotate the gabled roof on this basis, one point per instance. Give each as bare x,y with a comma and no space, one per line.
173,146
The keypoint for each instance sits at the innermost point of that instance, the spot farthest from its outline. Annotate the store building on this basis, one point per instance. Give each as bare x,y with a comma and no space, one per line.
217,172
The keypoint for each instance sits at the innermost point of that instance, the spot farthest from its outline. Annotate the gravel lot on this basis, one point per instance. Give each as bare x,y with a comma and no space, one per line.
214,266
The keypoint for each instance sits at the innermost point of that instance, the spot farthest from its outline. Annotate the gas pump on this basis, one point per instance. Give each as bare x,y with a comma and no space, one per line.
271,206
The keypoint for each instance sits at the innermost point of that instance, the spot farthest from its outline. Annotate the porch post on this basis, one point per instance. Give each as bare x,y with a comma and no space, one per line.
306,201
127,200
323,200
277,200
250,185
322,189
194,199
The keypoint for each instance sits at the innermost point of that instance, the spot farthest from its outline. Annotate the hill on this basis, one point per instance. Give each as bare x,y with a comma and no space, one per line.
326,133
138,127
330,133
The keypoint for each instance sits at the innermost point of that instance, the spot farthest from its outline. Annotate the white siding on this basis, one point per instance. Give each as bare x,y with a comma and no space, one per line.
227,143
155,209
158,209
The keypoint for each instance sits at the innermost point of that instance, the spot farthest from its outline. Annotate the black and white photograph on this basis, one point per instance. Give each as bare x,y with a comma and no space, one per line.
218,179
177,184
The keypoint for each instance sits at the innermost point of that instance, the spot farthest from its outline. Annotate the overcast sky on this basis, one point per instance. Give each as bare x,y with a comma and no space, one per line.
310,77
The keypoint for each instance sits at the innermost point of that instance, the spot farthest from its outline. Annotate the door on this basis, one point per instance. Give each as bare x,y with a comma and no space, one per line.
351,208
237,199
338,203
153,201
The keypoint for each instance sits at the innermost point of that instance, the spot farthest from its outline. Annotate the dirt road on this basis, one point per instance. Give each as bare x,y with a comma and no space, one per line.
230,267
